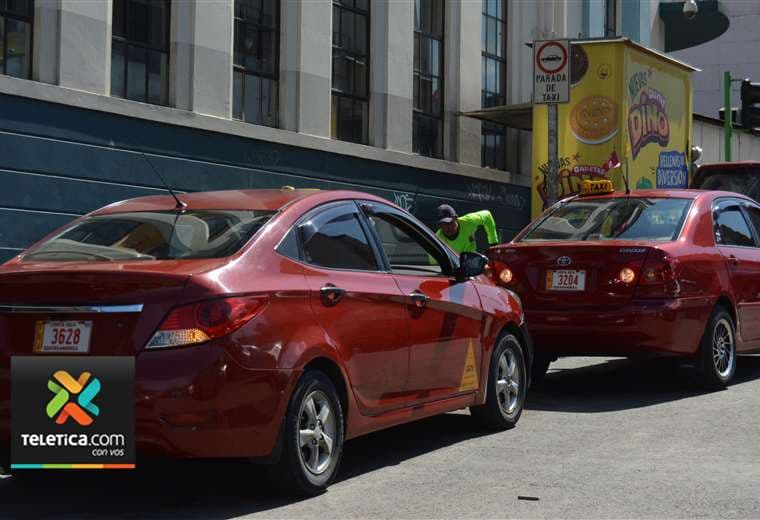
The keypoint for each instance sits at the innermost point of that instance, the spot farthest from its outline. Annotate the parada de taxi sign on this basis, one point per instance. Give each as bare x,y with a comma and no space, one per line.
596,187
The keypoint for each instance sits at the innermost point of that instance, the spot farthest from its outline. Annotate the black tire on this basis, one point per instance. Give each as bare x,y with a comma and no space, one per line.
494,414
718,364
292,474
540,366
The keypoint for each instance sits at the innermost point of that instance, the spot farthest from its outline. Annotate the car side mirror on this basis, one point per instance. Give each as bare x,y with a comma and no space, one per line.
470,264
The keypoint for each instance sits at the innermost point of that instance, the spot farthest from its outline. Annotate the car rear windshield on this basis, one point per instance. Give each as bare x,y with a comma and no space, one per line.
153,235
623,218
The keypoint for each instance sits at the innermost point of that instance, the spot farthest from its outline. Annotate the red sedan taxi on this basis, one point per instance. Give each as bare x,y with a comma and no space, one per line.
663,272
271,324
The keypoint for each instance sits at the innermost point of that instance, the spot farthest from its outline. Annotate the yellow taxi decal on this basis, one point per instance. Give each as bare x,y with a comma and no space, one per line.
469,379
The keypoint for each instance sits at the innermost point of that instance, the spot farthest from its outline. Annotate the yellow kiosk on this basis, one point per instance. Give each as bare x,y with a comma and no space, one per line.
629,113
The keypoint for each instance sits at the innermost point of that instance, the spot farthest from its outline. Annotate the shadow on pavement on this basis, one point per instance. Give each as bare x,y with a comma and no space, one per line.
622,384
210,489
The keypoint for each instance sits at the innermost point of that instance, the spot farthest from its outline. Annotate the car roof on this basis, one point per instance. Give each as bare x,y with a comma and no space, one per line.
260,199
737,165
666,194
655,194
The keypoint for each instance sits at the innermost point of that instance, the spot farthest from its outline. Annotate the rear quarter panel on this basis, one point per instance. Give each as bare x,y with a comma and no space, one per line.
501,310
699,266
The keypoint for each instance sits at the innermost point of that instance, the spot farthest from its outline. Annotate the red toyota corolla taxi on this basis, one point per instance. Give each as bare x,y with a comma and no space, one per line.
271,324
655,272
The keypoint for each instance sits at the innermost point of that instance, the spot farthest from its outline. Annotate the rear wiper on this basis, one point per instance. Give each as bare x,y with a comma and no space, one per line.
83,253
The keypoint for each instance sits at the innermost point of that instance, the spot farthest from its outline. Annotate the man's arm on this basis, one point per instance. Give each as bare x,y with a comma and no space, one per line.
485,219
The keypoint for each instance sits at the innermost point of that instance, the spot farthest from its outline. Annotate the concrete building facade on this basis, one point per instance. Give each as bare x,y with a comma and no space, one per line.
734,51
219,94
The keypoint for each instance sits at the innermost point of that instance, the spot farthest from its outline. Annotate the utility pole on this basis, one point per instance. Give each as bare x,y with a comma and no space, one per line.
552,187
727,116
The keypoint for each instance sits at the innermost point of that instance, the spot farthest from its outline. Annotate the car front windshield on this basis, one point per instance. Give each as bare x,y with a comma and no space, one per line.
153,235
621,218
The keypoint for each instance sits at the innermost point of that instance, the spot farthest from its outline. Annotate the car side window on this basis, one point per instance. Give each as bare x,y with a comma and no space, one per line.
407,250
754,216
732,228
336,239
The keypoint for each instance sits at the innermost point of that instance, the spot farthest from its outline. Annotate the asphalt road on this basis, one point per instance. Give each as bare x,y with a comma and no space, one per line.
600,438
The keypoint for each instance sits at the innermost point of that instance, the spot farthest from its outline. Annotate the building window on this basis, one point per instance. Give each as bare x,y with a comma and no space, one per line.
350,70
427,132
16,18
610,18
140,50
493,140
256,61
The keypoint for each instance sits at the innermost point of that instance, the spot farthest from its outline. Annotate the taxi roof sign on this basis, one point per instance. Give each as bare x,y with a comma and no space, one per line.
599,187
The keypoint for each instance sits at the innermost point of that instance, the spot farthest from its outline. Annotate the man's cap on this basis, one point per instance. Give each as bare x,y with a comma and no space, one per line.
446,214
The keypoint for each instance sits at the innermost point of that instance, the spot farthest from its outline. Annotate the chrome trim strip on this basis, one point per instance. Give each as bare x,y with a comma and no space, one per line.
74,309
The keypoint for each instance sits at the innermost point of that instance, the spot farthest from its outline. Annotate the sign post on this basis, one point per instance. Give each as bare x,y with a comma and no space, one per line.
551,85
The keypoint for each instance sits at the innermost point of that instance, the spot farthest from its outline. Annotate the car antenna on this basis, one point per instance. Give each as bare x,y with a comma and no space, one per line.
180,205
625,177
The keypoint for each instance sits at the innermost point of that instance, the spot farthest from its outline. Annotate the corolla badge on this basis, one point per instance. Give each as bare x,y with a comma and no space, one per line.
564,260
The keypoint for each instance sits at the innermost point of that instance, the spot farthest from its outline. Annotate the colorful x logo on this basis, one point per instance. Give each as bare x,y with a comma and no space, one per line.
85,389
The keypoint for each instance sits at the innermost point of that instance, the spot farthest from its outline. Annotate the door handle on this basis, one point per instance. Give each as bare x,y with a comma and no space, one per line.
331,295
733,260
419,300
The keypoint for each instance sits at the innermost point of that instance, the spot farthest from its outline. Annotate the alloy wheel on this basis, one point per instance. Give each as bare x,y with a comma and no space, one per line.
508,380
316,432
723,347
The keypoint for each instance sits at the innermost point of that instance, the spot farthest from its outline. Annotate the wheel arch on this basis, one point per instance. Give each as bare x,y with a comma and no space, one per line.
331,369
520,331
725,301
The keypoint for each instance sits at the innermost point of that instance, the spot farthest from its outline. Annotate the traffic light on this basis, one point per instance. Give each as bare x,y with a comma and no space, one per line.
750,104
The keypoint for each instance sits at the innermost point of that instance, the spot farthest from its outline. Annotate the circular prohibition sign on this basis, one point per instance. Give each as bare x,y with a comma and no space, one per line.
540,57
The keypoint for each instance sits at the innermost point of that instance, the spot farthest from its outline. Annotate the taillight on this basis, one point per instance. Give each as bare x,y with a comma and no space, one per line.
203,321
502,274
657,279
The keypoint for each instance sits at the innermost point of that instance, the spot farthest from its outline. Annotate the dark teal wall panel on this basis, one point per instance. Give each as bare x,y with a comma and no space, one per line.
19,229
24,190
68,161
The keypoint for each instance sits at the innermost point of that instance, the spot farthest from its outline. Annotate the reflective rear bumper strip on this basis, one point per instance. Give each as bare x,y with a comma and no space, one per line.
74,309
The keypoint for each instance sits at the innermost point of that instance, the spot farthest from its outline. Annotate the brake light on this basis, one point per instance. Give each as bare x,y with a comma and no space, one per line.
203,321
657,279
502,273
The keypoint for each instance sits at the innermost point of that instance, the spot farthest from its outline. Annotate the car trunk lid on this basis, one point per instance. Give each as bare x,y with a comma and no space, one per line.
557,274
122,304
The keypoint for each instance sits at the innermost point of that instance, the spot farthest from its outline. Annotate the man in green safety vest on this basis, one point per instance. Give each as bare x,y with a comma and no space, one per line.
459,232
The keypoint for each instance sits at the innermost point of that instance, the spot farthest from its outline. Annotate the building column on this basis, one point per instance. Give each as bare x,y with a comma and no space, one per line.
391,78
182,32
84,60
462,81
46,37
210,62
306,66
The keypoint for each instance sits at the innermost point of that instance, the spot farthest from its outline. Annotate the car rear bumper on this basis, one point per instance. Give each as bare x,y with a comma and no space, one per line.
198,402
670,326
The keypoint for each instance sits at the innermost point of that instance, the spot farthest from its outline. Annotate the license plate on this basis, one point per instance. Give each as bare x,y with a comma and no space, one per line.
62,336
566,280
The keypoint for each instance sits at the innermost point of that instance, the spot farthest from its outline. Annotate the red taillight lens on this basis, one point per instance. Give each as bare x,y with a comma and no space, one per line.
203,321
502,274
657,279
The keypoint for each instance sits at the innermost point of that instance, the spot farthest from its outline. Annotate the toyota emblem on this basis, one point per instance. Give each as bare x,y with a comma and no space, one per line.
564,260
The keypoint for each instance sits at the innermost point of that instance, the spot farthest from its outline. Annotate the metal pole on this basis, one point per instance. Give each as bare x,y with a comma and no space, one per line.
727,113
552,182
